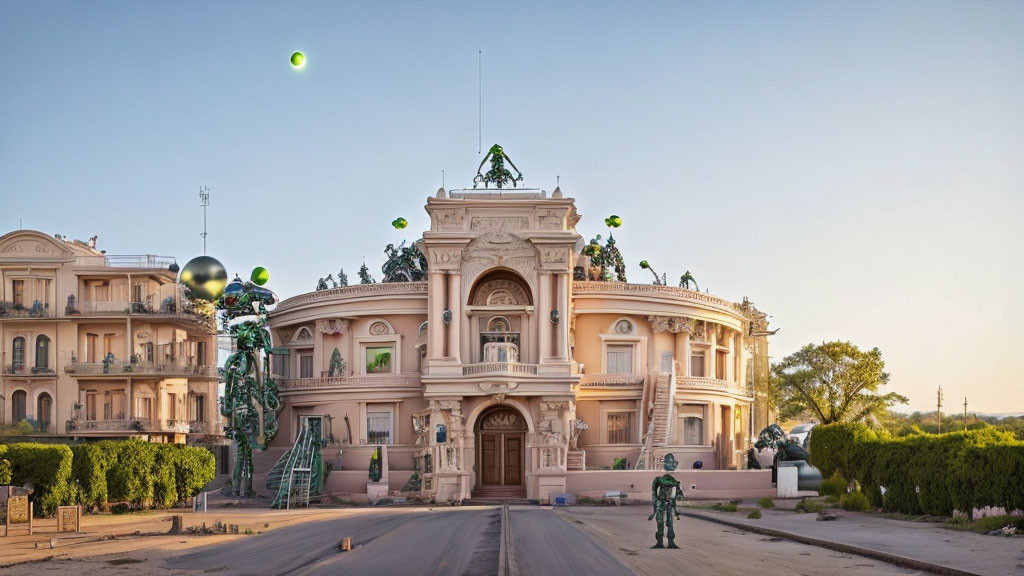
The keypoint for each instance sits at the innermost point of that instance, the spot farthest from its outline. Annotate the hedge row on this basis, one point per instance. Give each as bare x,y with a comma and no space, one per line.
140,473
925,473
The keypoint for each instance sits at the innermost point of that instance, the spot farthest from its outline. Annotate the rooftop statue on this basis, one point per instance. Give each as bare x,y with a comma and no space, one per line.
404,264
498,174
665,491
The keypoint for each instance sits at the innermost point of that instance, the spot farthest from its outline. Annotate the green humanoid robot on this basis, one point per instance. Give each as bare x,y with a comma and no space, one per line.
665,491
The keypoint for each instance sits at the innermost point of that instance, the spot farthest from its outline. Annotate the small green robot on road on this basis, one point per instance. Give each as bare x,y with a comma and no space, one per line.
665,491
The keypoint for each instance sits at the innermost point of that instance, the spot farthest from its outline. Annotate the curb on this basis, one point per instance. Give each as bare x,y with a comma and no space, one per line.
506,566
901,561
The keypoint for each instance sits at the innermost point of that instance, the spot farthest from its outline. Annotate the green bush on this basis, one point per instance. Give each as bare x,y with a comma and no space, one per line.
854,502
932,474
5,472
130,478
755,514
834,486
165,488
193,468
766,502
809,506
89,467
47,467
724,507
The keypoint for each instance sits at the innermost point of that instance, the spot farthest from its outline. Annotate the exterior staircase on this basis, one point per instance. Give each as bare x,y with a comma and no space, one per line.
298,476
662,407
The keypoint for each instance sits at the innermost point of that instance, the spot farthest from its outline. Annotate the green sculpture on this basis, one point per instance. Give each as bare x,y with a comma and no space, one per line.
498,174
337,365
658,281
364,275
404,264
665,491
375,465
250,401
342,278
685,279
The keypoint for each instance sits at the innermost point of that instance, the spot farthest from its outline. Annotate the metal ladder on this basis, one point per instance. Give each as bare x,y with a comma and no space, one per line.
297,477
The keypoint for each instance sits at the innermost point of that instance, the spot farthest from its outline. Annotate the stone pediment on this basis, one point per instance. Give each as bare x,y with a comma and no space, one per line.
31,245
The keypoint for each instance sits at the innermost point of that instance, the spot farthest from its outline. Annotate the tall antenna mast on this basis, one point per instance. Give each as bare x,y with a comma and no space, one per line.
938,411
480,101
204,201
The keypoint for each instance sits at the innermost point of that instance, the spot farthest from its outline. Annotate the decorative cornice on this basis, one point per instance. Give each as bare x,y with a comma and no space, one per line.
380,289
651,290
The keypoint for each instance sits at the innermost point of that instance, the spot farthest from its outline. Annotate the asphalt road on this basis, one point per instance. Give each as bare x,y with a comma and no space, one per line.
543,543
414,542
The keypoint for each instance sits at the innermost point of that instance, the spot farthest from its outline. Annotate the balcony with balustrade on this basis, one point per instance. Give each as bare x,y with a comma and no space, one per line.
120,369
127,426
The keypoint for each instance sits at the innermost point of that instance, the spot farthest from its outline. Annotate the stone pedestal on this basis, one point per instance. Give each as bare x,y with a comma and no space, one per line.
376,490
549,484
451,486
577,460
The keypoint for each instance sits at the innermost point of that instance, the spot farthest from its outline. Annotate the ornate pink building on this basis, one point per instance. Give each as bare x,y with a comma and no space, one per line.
482,376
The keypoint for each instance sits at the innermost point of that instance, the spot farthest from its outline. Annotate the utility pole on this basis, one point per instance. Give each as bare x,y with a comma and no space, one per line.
938,410
204,201
965,413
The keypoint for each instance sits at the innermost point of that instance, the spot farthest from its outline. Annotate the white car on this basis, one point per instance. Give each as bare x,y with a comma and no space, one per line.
800,432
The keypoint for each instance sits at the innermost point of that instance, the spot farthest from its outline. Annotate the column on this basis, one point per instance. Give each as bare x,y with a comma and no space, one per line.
455,305
711,358
128,400
562,328
544,316
682,353
435,327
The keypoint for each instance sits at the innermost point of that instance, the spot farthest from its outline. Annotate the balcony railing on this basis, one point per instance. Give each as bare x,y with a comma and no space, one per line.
141,425
20,369
119,368
499,368
36,310
357,381
701,382
198,427
139,261
612,381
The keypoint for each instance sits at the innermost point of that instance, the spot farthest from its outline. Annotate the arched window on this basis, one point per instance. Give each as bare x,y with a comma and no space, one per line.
18,359
18,406
42,351
44,404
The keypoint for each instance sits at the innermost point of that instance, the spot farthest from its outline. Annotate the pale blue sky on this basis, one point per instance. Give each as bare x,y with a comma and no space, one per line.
855,168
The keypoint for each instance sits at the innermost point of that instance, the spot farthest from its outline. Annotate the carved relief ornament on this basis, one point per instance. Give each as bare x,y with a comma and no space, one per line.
449,219
332,326
673,324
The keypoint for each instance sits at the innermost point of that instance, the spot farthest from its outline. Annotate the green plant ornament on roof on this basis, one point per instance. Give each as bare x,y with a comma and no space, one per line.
498,174
399,223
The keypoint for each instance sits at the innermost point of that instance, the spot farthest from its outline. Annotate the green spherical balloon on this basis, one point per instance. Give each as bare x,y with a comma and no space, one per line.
399,223
260,276
298,59
205,276
615,221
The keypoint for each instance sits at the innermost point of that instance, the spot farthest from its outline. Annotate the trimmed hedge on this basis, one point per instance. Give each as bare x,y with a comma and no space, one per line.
931,474
139,473
47,467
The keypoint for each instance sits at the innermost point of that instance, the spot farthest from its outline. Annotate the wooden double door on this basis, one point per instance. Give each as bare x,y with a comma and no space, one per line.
501,458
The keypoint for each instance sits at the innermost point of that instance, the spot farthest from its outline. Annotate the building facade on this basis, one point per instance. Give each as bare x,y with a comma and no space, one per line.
505,372
102,346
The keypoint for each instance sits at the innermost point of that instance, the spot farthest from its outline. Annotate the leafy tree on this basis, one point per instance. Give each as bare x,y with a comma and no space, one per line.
834,382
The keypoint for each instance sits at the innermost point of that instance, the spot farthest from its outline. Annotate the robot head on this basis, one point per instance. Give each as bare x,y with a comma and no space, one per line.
670,462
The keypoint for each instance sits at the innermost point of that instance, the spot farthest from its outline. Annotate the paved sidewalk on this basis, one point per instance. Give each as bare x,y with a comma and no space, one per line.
921,543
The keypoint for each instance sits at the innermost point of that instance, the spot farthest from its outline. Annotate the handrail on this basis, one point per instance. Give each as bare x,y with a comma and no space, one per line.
498,368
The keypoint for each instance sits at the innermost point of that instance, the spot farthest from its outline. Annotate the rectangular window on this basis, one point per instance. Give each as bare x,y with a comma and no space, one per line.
91,402
91,353
306,366
620,427
379,359
620,359
145,409
279,365
200,408
692,416
139,293
697,364
379,422
201,353
18,287
720,357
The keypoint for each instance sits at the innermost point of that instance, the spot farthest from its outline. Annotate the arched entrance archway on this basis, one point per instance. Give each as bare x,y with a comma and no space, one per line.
500,452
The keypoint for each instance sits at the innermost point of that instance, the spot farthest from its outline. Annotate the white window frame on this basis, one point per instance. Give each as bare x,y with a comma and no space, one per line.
686,410
606,413
639,344
364,342
380,408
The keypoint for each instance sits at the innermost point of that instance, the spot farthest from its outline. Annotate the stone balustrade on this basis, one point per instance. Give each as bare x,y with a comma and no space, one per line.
663,292
612,381
161,369
356,381
484,368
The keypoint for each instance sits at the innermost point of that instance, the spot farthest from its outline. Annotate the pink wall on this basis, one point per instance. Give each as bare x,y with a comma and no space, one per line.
710,484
